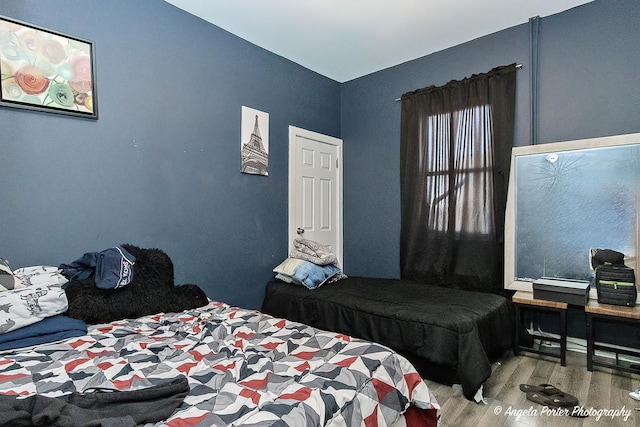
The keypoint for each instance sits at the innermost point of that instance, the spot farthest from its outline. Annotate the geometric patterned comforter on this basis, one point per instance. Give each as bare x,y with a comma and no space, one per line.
244,368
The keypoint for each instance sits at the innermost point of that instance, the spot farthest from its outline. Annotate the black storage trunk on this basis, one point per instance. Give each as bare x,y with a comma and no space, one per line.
616,285
574,292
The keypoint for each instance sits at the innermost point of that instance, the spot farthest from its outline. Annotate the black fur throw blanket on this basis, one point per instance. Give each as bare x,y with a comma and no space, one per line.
151,291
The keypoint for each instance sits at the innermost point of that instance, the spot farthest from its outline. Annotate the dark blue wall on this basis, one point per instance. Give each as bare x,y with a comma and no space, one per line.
588,84
590,71
161,166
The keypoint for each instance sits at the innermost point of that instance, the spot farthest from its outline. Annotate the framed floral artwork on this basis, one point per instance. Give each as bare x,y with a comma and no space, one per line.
46,71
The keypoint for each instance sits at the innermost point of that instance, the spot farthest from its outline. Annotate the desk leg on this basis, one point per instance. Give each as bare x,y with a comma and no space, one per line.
563,337
516,339
590,342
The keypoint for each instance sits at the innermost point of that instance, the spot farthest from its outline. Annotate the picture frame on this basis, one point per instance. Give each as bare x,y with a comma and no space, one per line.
254,142
46,71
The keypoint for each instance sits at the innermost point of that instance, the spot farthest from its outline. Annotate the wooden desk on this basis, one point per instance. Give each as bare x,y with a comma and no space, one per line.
609,313
523,301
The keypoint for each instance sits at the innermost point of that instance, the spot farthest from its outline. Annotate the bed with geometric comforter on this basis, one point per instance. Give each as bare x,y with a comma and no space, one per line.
243,368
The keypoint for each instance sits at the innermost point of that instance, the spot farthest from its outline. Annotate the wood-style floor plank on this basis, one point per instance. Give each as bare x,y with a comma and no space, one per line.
600,393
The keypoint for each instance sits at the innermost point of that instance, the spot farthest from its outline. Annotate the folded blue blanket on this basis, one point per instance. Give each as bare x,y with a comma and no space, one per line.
47,330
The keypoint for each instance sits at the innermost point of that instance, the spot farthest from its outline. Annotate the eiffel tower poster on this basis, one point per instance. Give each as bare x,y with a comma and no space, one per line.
254,142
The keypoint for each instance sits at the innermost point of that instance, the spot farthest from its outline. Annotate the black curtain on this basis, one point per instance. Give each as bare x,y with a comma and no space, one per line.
455,152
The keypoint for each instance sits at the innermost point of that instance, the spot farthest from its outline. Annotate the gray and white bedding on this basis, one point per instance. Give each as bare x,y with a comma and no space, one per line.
243,368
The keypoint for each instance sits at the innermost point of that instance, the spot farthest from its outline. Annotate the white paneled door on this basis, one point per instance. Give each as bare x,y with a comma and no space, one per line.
315,188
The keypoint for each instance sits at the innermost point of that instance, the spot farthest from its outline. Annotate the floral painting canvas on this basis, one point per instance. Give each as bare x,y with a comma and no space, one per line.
46,71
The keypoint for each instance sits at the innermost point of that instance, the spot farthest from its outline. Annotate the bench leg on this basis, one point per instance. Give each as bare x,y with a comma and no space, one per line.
516,339
590,342
563,337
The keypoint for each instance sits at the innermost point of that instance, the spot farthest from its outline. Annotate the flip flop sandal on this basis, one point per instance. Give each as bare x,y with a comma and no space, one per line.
555,401
569,405
548,390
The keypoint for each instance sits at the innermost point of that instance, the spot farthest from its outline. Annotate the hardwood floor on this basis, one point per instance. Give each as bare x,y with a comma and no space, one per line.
602,392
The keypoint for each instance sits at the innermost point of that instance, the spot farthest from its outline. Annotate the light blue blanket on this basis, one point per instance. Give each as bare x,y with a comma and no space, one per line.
305,273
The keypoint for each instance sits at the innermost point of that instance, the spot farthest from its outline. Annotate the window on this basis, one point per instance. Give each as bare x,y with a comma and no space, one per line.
468,191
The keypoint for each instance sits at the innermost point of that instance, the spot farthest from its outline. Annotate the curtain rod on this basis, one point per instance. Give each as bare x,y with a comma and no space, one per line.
518,66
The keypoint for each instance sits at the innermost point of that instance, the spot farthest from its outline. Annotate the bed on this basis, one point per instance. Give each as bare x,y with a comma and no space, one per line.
450,335
243,368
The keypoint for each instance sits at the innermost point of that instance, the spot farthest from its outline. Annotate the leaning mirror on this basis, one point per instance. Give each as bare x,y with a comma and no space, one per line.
566,198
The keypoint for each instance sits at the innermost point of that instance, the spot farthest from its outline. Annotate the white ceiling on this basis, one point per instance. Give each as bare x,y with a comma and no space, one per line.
346,39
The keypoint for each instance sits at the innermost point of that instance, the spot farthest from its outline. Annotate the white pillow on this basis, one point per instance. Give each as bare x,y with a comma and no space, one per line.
28,305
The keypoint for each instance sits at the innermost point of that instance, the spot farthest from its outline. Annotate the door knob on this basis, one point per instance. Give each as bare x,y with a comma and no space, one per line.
300,230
